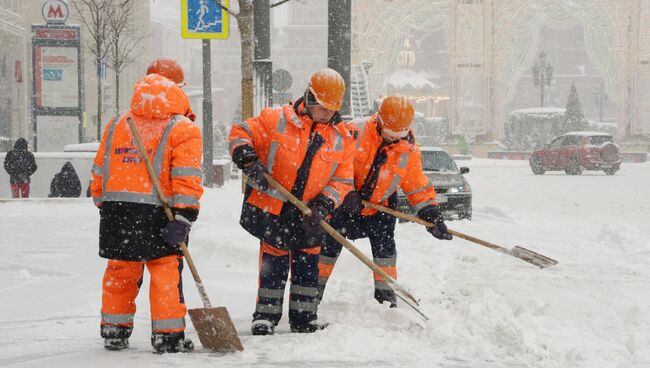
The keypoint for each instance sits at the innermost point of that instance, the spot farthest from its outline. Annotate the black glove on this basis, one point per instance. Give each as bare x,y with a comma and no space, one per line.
176,231
255,172
244,155
321,207
352,203
439,229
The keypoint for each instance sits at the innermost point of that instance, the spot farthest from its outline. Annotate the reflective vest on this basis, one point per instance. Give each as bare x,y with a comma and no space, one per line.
400,167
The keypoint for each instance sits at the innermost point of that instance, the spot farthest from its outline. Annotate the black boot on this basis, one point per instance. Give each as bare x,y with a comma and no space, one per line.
308,327
116,337
116,343
262,327
171,342
386,296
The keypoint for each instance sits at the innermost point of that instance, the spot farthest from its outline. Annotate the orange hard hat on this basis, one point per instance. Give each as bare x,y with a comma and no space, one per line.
328,88
168,68
396,114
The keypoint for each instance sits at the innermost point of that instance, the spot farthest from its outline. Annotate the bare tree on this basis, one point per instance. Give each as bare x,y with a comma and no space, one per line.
96,15
126,36
245,23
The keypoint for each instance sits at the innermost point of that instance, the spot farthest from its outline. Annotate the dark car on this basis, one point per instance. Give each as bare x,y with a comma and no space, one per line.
577,151
453,193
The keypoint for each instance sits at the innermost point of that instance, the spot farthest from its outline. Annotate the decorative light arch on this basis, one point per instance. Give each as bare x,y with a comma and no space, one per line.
518,31
617,37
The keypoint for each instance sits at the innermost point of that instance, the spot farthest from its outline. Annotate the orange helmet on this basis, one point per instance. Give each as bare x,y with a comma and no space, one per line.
396,114
167,68
328,88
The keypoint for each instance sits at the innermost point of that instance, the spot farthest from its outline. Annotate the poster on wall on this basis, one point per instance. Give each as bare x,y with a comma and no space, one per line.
57,83
58,96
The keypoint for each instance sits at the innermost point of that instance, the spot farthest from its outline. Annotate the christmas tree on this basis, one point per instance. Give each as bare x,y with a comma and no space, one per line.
574,116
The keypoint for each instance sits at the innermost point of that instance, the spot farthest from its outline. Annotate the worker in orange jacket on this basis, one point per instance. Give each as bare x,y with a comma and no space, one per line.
309,151
387,158
133,229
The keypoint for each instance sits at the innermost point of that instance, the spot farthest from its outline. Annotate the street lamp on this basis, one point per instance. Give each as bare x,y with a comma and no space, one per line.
543,74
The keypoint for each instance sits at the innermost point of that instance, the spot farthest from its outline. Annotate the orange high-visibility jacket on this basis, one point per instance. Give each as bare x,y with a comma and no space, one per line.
173,145
281,137
403,168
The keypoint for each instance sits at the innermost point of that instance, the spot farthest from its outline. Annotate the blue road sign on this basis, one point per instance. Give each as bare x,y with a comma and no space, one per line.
204,19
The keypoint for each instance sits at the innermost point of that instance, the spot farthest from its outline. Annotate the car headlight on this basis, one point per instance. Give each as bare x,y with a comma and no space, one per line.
463,188
466,188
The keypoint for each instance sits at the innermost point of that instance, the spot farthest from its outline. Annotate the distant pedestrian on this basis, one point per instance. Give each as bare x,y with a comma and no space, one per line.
20,165
66,183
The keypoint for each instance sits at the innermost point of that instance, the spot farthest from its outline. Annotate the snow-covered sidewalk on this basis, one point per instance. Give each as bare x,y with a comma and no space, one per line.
486,309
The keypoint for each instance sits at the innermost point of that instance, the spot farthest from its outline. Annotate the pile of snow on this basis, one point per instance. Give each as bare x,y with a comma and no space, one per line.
486,309
409,78
82,147
539,111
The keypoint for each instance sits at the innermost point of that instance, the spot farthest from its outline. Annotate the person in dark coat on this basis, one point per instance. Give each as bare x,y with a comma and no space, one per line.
66,183
20,165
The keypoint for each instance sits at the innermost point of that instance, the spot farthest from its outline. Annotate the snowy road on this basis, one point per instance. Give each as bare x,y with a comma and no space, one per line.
486,309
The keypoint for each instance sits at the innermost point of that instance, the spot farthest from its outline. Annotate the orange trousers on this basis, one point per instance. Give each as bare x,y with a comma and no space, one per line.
121,285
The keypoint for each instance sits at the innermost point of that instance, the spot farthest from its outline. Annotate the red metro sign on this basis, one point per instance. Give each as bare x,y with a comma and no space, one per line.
55,11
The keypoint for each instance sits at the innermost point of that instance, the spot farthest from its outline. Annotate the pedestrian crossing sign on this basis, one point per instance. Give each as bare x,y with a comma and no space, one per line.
204,19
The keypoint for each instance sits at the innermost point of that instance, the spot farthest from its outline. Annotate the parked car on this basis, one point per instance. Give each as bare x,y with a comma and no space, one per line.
577,151
453,192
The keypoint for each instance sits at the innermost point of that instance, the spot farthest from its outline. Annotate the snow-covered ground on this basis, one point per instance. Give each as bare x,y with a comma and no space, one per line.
486,309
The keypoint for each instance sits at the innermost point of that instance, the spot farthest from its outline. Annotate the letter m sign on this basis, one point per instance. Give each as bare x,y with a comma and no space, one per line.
55,11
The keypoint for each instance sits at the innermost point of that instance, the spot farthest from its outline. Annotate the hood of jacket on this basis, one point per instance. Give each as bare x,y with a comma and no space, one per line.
67,168
21,144
156,97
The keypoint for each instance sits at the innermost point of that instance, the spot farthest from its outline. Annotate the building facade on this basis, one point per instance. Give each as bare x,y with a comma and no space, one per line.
15,36
16,76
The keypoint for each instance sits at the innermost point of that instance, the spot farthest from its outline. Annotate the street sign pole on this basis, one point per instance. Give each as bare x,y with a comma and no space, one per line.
205,20
208,169
262,55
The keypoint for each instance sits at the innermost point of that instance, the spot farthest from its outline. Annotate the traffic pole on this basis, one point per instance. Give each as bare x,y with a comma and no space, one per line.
208,169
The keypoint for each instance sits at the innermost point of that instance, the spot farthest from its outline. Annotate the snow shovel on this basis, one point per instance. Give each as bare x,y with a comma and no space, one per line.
213,325
522,253
400,291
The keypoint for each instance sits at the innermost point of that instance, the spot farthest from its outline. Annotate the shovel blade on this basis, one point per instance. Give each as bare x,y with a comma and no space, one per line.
215,329
531,257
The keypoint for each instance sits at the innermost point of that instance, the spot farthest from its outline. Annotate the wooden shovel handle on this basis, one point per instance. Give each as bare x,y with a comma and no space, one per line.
168,212
400,291
411,218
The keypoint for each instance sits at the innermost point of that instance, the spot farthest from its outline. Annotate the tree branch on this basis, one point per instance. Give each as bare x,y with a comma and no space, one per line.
233,14
279,3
